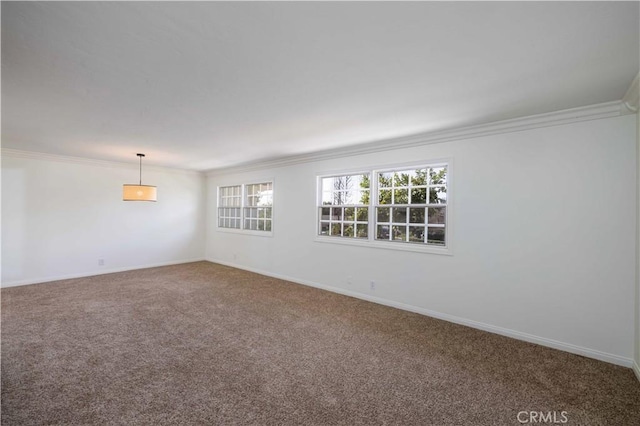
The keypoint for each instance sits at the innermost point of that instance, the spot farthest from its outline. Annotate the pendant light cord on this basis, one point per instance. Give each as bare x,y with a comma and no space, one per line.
140,170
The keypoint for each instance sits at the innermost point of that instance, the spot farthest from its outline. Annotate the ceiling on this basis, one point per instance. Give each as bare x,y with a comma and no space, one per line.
205,85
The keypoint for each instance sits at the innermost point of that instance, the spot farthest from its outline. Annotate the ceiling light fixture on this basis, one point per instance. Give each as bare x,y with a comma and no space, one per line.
140,192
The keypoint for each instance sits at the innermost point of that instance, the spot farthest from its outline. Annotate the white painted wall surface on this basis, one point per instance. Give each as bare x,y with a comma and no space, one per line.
543,247
60,217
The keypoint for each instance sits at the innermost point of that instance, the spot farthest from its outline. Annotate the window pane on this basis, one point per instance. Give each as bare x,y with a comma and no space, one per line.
325,213
364,181
362,214
267,225
362,230
416,215
438,175
266,198
348,230
399,233
401,178
401,196
347,189
357,197
399,215
336,213
343,182
419,177
268,212
336,229
382,232
247,224
435,236
383,214
419,196
350,213
364,197
385,180
385,196
338,198
261,225
437,215
327,184
324,228
416,234
438,195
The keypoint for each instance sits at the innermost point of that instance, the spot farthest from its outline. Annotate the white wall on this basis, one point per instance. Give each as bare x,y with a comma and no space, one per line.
543,246
60,217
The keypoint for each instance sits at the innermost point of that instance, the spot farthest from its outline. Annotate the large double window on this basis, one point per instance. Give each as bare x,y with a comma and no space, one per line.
246,207
399,205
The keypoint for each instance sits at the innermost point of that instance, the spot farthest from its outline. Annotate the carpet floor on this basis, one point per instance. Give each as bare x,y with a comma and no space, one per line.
202,343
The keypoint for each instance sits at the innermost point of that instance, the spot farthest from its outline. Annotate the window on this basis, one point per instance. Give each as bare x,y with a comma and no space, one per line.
246,207
229,206
258,205
411,205
400,205
348,198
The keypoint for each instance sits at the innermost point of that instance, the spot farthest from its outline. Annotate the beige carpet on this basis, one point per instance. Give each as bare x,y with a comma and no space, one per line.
201,343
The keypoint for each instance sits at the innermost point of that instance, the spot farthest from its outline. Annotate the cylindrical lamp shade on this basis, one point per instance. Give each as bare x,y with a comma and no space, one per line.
138,193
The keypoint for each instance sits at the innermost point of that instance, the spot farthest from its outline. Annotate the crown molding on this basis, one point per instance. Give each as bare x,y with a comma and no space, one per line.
31,155
631,98
557,118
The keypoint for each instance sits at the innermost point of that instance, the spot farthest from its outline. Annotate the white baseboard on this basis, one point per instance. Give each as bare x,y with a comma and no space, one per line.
636,369
94,273
567,347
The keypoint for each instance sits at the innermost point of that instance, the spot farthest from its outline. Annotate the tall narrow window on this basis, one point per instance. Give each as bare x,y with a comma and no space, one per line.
229,199
411,205
344,206
258,206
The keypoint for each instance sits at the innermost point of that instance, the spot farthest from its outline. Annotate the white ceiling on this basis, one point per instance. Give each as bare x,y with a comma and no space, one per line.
209,85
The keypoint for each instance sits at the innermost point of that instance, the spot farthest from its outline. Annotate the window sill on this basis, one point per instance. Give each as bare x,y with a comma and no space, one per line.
245,232
388,245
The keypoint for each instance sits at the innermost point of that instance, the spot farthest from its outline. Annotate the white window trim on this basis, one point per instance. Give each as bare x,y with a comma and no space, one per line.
371,242
242,230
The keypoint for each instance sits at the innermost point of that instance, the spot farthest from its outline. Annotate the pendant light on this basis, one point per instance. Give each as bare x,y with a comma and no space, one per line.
140,192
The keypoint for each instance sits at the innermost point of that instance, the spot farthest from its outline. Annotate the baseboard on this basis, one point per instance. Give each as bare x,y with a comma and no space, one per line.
567,347
94,273
636,369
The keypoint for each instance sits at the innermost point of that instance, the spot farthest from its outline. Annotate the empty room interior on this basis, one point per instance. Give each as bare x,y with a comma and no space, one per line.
320,213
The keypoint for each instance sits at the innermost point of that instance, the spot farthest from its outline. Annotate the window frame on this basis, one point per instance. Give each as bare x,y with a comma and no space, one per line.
371,240
243,194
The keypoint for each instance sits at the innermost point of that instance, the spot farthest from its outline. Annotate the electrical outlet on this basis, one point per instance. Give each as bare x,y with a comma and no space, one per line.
100,262
372,285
